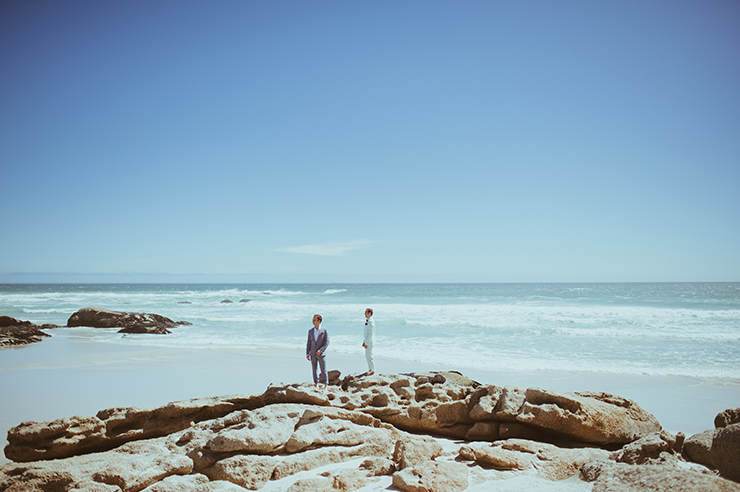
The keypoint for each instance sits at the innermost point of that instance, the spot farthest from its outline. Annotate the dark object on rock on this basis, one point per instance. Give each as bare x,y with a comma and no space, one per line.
245,300
726,452
437,379
14,332
334,376
728,417
227,301
128,322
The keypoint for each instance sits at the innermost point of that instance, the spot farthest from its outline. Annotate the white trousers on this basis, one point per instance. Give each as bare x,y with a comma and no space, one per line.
370,358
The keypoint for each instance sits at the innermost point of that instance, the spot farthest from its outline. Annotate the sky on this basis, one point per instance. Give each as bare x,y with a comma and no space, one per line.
370,141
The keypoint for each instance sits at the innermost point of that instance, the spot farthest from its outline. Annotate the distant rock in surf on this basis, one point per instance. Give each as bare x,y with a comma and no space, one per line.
227,301
245,300
128,322
14,332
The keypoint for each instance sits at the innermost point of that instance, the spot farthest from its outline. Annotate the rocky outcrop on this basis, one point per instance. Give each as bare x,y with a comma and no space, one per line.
698,448
718,448
656,448
457,408
450,405
243,442
128,322
14,332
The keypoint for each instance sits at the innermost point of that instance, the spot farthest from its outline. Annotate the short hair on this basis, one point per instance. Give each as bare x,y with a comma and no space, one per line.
369,310
318,316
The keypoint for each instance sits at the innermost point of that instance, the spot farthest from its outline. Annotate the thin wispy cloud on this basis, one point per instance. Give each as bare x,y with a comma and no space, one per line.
327,249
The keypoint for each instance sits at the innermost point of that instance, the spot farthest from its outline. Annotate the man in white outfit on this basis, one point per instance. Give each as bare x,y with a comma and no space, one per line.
367,342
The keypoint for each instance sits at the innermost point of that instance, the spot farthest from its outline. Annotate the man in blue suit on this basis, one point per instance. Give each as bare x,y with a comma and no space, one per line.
316,345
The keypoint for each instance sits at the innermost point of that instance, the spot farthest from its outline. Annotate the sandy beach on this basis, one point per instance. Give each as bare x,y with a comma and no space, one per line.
62,377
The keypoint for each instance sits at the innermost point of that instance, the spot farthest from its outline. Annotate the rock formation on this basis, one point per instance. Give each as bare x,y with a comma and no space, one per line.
718,448
128,322
725,452
14,332
390,424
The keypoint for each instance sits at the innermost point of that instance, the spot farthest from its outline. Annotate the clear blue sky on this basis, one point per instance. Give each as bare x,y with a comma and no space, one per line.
370,140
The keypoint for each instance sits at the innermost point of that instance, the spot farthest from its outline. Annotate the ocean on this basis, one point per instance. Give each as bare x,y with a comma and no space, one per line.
662,329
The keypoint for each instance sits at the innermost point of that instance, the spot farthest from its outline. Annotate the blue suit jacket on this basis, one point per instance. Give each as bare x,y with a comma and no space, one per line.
321,343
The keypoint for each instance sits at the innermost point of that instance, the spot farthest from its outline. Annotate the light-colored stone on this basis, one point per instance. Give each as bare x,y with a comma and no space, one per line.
547,460
133,466
178,483
432,476
378,466
326,432
249,471
653,448
656,478
263,431
376,444
313,484
416,450
598,418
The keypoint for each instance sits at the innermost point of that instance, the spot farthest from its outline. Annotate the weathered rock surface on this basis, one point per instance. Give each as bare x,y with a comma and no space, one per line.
548,460
653,478
128,322
14,332
725,452
134,466
456,408
728,417
243,442
655,448
698,448
432,476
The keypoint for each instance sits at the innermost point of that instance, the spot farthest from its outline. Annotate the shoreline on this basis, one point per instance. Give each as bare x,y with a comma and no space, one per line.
62,377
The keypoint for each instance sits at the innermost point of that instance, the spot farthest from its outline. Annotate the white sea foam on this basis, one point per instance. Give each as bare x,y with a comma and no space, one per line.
689,329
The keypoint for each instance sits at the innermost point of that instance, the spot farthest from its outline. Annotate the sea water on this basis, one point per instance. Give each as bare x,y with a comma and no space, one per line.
681,329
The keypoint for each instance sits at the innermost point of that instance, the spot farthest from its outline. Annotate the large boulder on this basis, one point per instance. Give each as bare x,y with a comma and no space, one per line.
65,437
598,418
725,452
128,322
14,332
450,405
698,448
